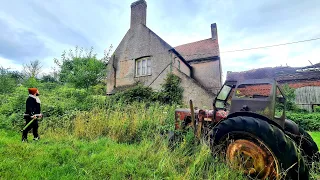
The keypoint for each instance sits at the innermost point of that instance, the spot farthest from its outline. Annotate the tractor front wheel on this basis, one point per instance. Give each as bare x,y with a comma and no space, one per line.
259,149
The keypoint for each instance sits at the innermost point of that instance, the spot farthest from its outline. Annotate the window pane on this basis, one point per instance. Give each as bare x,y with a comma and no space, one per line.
262,90
143,67
149,66
138,68
223,94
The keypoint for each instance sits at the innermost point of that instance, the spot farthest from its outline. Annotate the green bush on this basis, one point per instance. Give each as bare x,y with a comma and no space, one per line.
57,103
138,93
8,82
81,70
170,93
308,121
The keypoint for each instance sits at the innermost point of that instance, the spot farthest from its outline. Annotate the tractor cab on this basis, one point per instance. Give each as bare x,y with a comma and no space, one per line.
258,96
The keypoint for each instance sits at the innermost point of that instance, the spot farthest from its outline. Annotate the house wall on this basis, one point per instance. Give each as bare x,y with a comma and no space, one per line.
183,67
139,42
208,74
194,91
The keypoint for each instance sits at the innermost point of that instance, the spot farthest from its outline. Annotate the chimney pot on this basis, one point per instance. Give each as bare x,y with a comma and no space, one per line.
138,13
214,31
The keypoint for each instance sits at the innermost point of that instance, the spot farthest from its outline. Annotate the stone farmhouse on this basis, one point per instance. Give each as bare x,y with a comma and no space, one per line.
142,56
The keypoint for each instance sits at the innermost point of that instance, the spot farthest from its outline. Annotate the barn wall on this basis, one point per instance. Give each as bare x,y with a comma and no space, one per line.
307,96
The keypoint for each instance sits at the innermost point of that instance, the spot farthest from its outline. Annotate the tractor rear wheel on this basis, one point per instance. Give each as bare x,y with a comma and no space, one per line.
259,149
308,145
304,141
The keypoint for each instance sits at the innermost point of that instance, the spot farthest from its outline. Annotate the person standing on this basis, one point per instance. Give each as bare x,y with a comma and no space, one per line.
33,112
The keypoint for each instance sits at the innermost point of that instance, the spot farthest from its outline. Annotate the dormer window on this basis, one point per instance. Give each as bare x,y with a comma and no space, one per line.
143,66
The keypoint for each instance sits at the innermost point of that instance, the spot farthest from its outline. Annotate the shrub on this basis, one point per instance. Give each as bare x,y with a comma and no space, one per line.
7,82
171,92
290,97
138,93
308,121
81,70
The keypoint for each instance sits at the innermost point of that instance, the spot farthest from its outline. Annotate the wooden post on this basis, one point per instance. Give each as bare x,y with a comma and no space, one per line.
192,115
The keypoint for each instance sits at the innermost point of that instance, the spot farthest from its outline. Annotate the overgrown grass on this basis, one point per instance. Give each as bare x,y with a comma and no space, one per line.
89,136
120,142
62,156
316,137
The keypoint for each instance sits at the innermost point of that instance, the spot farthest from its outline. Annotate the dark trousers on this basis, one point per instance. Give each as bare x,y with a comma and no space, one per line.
34,126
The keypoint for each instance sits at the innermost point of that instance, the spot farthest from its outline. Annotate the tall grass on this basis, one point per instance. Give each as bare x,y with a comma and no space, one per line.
65,156
121,141
125,123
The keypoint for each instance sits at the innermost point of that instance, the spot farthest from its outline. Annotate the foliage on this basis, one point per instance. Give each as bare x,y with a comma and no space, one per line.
306,120
7,81
316,137
125,123
84,134
31,82
61,156
81,70
137,93
48,78
171,92
58,103
290,97
33,69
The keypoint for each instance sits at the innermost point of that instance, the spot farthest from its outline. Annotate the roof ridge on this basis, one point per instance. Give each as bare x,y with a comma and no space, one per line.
195,42
262,68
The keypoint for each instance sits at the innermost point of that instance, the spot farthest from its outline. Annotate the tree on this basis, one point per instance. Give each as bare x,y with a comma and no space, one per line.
290,96
48,78
7,81
33,69
80,68
172,92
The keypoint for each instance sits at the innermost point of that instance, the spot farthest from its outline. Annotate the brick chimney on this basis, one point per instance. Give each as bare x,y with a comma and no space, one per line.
138,13
214,31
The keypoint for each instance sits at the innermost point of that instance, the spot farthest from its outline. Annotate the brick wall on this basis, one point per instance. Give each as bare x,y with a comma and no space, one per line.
265,89
300,84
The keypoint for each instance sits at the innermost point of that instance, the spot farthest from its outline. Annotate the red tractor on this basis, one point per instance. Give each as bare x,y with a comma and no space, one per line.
249,129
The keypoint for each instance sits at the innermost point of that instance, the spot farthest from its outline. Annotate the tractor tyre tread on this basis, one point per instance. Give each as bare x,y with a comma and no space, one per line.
282,146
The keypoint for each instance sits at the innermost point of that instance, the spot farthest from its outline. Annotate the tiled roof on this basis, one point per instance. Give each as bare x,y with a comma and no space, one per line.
279,73
199,49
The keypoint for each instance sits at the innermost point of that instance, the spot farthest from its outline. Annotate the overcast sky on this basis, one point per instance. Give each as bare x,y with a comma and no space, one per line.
43,29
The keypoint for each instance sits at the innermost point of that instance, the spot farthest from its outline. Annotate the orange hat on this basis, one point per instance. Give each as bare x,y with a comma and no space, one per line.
32,90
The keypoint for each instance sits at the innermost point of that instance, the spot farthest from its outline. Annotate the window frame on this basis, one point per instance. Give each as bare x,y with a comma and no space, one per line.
143,67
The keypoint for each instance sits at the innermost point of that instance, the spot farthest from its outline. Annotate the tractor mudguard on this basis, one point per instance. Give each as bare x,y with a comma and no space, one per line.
255,115
291,127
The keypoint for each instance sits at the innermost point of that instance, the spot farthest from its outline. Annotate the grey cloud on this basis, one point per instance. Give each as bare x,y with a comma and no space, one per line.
20,45
54,28
275,16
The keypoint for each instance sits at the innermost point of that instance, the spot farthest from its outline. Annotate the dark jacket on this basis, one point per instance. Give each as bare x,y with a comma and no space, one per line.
32,107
